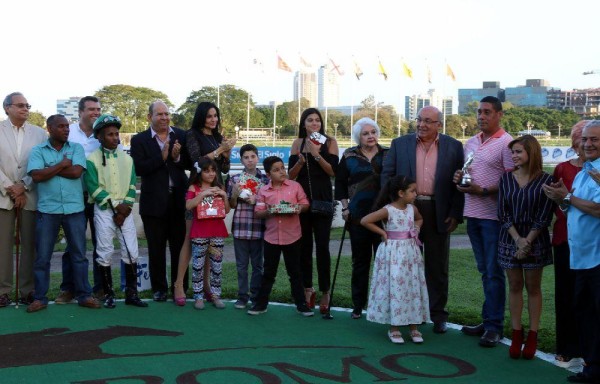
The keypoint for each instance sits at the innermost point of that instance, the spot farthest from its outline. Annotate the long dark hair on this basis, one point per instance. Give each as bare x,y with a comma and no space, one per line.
389,192
200,115
205,164
305,114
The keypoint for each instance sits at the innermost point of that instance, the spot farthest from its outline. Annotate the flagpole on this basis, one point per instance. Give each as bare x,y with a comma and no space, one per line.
248,118
274,121
444,99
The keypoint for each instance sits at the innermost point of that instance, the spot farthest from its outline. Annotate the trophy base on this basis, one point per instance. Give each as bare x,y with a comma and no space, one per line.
463,185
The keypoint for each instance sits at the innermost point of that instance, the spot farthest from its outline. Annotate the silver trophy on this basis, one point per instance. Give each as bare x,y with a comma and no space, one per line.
466,179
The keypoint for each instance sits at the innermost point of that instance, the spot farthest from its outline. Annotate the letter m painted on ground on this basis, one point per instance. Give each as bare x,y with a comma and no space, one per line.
289,369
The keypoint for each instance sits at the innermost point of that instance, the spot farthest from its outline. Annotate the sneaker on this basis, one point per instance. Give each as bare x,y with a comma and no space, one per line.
240,304
218,303
257,310
64,297
199,304
304,310
568,362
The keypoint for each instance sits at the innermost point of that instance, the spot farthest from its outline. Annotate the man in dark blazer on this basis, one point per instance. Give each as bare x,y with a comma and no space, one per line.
431,159
160,159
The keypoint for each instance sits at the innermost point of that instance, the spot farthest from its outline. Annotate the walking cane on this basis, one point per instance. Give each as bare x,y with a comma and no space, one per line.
17,244
122,235
328,316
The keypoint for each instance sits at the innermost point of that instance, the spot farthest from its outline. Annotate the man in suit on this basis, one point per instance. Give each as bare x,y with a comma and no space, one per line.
431,158
18,195
160,159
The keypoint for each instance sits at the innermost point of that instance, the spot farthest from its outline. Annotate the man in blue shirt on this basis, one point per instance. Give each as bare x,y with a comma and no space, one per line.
56,166
582,206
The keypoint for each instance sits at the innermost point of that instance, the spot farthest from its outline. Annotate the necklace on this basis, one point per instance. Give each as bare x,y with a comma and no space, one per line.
212,141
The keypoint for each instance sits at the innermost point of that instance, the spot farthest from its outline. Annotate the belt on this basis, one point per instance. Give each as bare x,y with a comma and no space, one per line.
426,198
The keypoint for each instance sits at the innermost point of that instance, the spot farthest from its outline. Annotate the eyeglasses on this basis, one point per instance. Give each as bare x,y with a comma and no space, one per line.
426,121
21,105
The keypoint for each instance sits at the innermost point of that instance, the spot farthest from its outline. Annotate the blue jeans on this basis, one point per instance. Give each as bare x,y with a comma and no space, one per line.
484,240
46,231
67,281
248,252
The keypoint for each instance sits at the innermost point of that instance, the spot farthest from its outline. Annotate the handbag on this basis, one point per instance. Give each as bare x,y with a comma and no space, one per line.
211,207
322,208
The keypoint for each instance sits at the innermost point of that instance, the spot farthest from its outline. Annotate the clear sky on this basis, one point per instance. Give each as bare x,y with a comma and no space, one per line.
57,49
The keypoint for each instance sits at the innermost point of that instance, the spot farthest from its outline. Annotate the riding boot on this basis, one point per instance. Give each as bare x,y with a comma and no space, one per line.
107,286
131,294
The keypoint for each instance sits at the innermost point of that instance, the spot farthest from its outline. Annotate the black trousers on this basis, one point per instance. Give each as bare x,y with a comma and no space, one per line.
291,258
160,230
587,312
567,334
436,251
320,227
364,245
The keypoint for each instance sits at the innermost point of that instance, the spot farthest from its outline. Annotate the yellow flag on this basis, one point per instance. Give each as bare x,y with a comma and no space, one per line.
450,73
382,71
407,71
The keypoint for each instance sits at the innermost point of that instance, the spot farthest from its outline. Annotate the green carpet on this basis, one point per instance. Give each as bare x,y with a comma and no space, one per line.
169,344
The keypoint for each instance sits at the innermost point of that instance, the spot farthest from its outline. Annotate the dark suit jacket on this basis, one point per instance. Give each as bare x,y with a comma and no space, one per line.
402,160
155,173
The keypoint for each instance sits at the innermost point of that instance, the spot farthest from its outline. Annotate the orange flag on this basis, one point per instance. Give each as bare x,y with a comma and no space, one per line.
283,65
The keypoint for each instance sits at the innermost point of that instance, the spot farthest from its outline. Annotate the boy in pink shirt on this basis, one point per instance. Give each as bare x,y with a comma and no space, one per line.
280,202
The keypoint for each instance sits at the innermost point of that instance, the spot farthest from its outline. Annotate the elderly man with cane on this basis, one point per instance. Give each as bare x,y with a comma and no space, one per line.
18,198
110,180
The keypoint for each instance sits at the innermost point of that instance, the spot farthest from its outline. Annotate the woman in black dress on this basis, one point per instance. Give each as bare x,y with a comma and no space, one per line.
524,246
203,139
313,164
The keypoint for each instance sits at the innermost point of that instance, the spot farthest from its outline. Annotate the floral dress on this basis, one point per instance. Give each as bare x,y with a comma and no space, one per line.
398,294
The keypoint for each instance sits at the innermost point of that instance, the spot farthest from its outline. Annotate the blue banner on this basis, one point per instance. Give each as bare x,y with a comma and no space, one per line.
263,152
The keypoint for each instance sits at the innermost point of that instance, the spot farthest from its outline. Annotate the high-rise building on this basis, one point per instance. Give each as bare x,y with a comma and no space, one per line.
584,102
69,108
305,86
489,88
329,87
533,94
412,104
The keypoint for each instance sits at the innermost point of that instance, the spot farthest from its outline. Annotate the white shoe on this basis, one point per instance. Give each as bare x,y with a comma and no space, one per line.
218,303
199,304
395,337
416,336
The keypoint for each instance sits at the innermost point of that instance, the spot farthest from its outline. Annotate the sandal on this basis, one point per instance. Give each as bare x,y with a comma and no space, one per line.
416,336
324,304
311,296
395,337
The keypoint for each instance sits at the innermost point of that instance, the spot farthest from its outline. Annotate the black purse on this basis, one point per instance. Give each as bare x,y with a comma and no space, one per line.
321,208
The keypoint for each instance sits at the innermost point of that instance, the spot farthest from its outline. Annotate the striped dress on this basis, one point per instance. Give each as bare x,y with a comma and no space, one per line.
526,208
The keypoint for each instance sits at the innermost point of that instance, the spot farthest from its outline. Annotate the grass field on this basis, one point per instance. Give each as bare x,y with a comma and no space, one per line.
465,297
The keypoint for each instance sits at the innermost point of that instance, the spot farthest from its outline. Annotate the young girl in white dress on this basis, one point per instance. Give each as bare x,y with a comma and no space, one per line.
398,294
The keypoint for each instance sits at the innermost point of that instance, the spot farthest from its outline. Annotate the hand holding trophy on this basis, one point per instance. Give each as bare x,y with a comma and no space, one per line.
466,179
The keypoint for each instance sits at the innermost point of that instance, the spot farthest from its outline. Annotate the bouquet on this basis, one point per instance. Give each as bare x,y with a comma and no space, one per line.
249,185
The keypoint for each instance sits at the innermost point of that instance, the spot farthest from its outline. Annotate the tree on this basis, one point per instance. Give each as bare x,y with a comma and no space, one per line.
36,118
387,118
233,108
130,104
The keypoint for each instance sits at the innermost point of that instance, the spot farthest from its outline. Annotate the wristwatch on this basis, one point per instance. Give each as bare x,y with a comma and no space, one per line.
567,199
317,158
484,192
